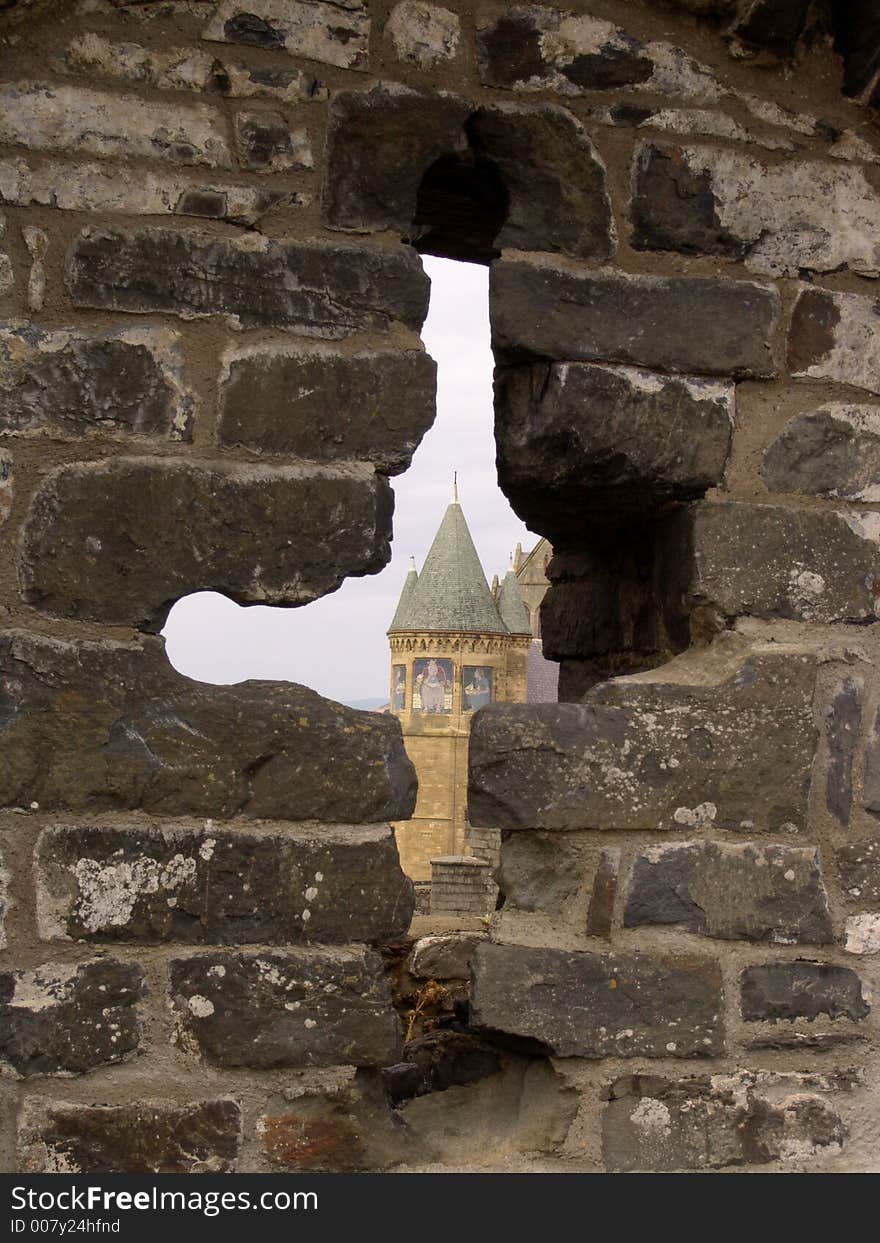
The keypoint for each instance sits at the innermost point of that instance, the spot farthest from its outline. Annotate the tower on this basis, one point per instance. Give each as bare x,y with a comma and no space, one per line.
454,649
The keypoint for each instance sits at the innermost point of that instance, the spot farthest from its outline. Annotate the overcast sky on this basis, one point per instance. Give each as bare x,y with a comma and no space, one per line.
337,644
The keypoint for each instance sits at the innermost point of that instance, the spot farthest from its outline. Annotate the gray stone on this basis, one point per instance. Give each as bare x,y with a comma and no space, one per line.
317,1007
266,143
445,956
7,470
842,729
707,740
859,866
91,727
779,219
603,893
99,187
317,288
463,181
733,891
814,565
335,32
647,321
576,440
65,117
218,887
4,901
836,336
833,451
526,47
69,1018
872,767
423,35
372,406
67,382
800,990
120,541
773,26
140,1137
593,1006
541,871
744,1118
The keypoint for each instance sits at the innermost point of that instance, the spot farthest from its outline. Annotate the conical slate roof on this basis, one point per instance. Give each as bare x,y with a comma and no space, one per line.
409,586
451,593
513,611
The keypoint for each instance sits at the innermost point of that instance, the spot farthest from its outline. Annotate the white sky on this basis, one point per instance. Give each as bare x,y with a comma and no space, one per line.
337,644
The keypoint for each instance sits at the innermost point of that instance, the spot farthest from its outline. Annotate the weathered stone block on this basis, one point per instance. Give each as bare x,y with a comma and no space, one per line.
93,727
144,1137
744,1118
576,439
603,892
863,933
4,901
77,119
446,956
647,321
7,469
218,887
734,891
541,871
266,143
120,541
335,33
833,451
320,289
102,188
509,176
859,867
843,721
70,383
371,406
68,1019
316,1007
836,336
526,47
872,767
779,219
423,35
712,738
801,990
814,565
310,1139
592,1005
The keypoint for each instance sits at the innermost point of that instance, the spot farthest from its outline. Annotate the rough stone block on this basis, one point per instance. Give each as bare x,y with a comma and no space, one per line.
311,1139
647,321
862,935
603,893
541,871
814,565
833,451
120,541
744,1118
67,382
219,887
335,33
317,1007
575,439
65,1019
102,188
843,722
801,990
92,727
63,117
859,866
593,1006
510,176
324,405
446,956
836,336
423,35
872,767
266,143
4,901
7,470
733,891
317,288
711,738
143,1137
778,219
526,47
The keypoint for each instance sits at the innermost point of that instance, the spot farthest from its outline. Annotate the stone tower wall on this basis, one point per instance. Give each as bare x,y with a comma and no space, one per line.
207,208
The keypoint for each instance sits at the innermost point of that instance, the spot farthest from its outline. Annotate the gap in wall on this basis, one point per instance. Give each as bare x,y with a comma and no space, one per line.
337,645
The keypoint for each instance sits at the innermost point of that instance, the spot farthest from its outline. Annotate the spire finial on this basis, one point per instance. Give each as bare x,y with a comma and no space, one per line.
455,487
412,563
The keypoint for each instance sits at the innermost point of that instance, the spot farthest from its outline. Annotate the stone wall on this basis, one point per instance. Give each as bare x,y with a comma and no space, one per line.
211,365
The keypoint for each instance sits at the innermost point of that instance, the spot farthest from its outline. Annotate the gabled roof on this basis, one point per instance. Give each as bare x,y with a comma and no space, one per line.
510,605
451,593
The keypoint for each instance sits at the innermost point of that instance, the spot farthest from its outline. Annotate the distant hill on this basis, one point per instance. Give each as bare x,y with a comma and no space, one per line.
366,705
